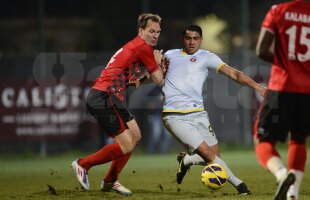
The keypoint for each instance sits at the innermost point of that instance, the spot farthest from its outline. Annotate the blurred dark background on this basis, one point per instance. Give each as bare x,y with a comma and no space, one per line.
52,51
96,26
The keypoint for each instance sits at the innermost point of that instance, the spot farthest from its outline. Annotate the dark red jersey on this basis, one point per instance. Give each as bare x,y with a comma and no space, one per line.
126,65
290,23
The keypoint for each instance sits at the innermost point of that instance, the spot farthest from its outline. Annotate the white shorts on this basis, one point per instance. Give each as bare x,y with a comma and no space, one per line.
190,129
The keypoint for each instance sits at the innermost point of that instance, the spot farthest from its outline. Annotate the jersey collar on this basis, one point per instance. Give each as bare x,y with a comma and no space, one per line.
184,52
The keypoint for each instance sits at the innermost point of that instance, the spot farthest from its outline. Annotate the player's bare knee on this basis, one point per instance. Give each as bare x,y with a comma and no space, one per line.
137,139
128,147
207,154
136,136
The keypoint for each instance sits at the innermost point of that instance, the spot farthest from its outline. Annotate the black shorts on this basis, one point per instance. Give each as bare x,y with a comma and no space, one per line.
110,112
281,113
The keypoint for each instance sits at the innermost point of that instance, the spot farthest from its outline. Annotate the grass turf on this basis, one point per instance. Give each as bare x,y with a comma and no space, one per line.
148,176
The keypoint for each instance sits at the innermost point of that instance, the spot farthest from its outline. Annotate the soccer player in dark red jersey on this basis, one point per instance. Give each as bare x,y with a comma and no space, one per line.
285,41
106,103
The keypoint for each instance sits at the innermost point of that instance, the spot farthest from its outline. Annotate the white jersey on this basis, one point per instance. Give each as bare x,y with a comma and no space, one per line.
185,78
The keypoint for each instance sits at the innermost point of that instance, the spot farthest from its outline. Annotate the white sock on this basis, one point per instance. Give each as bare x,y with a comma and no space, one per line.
276,167
294,189
197,160
231,177
194,159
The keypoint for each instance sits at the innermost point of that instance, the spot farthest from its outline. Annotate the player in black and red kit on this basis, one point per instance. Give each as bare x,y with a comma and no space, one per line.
106,103
285,41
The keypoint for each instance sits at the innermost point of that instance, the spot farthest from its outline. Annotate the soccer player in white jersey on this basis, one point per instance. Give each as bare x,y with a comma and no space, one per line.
183,111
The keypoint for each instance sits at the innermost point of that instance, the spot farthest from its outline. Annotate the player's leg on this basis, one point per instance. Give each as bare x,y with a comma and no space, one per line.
270,159
195,159
124,145
183,129
297,149
111,119
195,132
297,155
269,128
106,154
111,182
203,128
208,155
235,181
118,164
211,147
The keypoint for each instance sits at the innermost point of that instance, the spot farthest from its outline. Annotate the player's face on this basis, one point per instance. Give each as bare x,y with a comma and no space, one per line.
191,42
151,32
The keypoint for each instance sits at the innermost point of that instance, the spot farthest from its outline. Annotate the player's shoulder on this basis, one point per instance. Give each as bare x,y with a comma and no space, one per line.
281,10
138,43
202,52
283,6
173,52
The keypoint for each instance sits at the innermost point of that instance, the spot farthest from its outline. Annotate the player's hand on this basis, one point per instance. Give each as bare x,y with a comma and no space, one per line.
135,83
139,79
147,75
164,64
158,54
263,91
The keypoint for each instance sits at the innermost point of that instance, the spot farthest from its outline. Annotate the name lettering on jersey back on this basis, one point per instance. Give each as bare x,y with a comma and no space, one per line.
297,17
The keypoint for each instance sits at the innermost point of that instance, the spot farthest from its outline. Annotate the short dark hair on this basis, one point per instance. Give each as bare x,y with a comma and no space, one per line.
144,17
192,27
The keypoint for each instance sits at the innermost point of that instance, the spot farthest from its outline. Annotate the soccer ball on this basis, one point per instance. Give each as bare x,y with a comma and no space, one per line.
214,176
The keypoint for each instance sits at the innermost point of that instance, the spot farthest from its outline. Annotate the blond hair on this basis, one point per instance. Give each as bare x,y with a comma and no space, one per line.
144,17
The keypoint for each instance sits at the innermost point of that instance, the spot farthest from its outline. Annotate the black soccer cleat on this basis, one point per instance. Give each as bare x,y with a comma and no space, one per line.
284,186
182,170
243,189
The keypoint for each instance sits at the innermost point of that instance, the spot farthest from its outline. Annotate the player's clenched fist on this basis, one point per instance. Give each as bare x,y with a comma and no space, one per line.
158,54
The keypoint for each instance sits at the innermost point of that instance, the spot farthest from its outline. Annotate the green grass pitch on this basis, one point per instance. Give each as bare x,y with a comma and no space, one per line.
148,176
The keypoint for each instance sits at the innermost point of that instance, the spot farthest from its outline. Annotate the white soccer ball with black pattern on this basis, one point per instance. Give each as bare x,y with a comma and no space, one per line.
214,176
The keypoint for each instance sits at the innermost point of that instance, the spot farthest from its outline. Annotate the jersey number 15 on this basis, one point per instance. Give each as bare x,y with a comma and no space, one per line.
303,40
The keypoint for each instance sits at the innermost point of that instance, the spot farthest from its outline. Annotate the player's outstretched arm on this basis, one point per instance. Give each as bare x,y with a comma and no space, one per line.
242,78
265,45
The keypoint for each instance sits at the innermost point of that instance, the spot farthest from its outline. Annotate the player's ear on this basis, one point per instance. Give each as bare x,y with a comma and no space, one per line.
140,30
